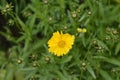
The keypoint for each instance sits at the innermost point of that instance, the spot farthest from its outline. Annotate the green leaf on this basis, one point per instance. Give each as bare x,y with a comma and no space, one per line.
113,61
19,75
84,41
109,60
105,75
31,21
82,17
102,44
2,74
39,43
25,28
117,49
60,74
9,74
89,68
27,69
71,19
2,58
66,59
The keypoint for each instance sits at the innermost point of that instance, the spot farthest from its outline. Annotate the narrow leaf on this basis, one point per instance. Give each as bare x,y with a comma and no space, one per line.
117,49
105,75
89,68
66,59
109,60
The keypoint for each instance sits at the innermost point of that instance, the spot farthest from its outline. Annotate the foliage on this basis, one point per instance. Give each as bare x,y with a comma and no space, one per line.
27,25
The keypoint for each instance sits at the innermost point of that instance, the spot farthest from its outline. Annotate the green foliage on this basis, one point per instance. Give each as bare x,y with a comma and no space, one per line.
27,25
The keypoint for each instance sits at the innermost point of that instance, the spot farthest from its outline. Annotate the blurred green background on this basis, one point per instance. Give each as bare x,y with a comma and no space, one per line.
27,25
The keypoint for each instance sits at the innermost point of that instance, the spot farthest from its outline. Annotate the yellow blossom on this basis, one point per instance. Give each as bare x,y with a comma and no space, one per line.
80,30
60,43
84,30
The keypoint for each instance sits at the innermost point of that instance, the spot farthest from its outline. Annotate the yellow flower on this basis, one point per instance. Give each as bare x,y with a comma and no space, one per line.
80,30
60,43
84,30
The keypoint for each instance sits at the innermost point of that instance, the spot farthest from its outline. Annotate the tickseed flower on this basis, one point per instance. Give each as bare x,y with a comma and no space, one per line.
60,43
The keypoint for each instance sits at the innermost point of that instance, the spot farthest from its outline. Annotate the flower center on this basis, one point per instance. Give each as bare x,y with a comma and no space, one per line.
61,43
